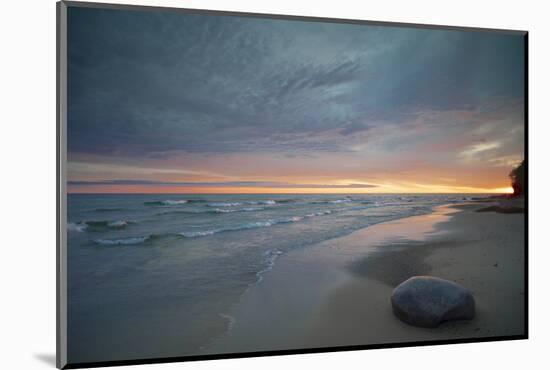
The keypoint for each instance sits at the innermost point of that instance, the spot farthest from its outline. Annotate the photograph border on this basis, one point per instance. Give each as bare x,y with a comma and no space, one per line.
61,194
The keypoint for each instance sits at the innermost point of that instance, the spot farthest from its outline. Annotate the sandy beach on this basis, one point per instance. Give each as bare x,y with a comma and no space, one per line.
337,293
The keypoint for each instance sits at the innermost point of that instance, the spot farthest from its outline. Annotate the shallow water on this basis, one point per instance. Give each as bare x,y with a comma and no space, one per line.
154,275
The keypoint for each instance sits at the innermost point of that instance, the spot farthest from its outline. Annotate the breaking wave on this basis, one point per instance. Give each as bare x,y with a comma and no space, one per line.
236,204
97,225
173,202
270,257
249,225
125,241
108,210
76,226
168,202
211,211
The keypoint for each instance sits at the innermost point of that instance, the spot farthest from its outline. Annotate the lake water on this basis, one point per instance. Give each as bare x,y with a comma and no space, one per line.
154,275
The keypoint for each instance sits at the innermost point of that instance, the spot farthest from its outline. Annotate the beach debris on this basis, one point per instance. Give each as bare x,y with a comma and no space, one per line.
427,301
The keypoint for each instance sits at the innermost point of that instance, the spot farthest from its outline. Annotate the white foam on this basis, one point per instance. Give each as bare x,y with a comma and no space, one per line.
258,224
271,256
230,320
120,223
250,225
251,209
341,201
78,227
321,213
126,241
269,202
218,210
195,234
232,204
170,202
232,210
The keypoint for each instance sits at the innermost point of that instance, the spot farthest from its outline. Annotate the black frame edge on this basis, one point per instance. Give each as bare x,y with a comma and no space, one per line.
526,158
61,63
57,189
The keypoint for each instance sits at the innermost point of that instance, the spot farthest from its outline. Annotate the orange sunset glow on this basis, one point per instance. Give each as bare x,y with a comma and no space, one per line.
297,110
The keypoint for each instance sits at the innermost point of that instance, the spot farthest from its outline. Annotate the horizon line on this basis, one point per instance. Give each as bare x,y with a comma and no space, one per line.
388,193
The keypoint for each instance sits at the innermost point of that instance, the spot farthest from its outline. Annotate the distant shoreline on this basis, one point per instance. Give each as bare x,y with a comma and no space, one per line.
489,194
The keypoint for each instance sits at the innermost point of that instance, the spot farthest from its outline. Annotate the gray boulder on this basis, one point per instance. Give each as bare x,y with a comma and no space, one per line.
428,301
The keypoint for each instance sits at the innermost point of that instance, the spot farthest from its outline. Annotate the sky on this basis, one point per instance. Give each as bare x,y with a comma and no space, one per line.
168,102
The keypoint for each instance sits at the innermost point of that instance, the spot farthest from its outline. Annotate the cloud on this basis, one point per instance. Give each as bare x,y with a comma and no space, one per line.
256,184
102,168
151,84
474,150
354,128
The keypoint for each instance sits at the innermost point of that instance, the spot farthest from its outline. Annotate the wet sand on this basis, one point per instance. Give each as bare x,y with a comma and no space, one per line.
337,293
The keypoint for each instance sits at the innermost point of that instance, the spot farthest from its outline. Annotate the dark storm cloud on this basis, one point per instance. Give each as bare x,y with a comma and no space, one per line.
151,83
256,184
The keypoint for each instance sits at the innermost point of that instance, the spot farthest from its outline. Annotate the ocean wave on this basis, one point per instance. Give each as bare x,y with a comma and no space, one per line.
269,202
182,212
211,211
251,209
321,213
332,201
337,201
230,320
108,210
168,202
196,234
135,240
256,224
76,226
289,200
293,219
225,204
117,224
249,225
248,209
236,204
270,257
125,241
388,204
97,225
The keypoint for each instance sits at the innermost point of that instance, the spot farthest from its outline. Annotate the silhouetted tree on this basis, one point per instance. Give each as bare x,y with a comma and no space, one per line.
517,175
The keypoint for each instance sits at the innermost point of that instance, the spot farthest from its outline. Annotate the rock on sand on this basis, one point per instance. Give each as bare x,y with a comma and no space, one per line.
427,301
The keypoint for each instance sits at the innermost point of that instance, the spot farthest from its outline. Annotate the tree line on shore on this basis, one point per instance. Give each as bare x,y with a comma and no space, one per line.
517,176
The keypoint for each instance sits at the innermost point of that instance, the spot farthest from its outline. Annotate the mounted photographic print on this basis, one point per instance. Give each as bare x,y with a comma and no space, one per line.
234,184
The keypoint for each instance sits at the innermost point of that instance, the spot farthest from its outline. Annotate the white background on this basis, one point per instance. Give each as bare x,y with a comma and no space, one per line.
27,203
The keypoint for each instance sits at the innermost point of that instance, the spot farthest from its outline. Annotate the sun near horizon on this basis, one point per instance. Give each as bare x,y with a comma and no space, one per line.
425,189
